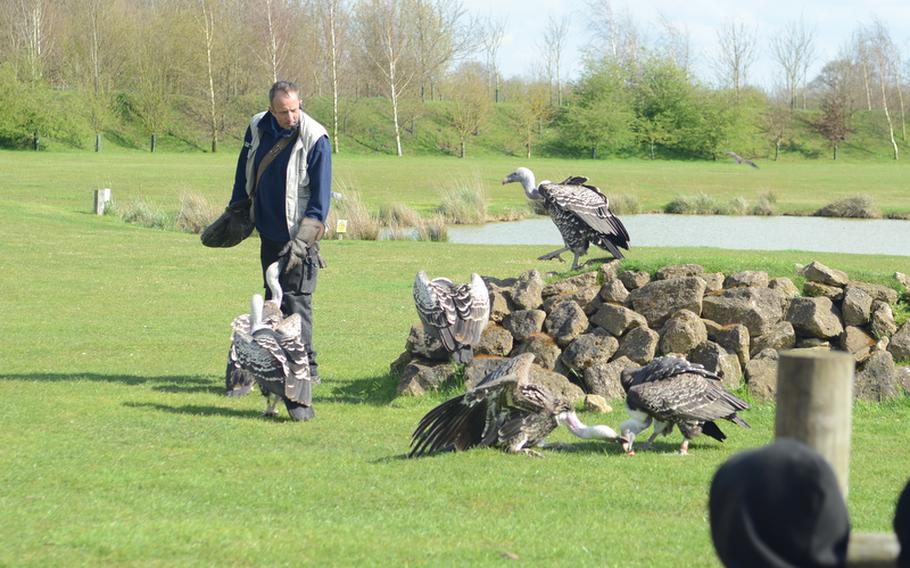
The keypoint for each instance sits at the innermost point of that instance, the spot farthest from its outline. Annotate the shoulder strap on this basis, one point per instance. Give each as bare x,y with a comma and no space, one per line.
269,157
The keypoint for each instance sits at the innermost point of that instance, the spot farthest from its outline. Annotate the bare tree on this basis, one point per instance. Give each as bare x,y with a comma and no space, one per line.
470,105
793,50
205,20
615,36
334,15
30,35
490,40
276,28
736,53
675,43
443,33
386,36
554,43
863,60
775,123
834,122
883,50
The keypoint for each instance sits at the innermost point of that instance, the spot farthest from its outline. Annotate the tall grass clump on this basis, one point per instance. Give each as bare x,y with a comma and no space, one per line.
399,214
195,213
433,229
465,204
855,207
624,204
142,212
737,206
361,224
698,204
766,205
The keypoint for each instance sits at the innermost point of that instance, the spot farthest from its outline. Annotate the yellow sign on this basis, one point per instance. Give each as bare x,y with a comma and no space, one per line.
341,226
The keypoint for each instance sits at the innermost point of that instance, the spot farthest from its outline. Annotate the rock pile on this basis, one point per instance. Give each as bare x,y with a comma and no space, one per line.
586,329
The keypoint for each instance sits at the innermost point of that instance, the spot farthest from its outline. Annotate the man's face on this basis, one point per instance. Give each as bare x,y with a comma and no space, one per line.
286,109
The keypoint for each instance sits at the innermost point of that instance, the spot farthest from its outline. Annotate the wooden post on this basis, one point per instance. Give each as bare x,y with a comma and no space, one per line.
815,403
102,197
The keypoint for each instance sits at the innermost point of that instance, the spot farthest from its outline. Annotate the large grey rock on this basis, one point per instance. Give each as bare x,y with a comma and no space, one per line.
756,308
566,322
639,345
682,332
857,342
634,279
527,294
878,291
785,286
761,375
617,319
582,296
556,383
610,270
570,285
522,324
500,304
881,322
903,279
780,336
589,349
597,403
753,278
679,271
614,291
659,299
876,379
902,377
544,348
818,272
603,378
420,376
732,337
817,289
857,306
425,345
815,317
900,343
716,359
714,281
495,340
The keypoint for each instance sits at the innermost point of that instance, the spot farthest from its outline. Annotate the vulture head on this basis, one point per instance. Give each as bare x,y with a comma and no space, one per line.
525,177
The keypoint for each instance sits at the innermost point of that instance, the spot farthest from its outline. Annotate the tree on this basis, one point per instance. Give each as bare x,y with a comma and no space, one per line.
834,122
599,116
334,18
615,36
490,40
470,106
554,42
736,53
443,33
793,51
205,20
386,36
883,54
776,123
532,110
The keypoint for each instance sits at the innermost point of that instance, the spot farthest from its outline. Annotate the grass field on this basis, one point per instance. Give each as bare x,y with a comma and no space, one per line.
117,446
68,179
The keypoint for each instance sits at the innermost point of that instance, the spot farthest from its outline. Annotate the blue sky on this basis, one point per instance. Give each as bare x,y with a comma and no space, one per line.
833,22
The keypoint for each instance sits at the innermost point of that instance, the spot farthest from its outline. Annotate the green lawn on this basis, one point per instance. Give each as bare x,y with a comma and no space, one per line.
117,446
67,179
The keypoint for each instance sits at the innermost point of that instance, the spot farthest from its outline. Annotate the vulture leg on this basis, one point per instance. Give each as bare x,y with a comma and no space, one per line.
684,447
555,254
575,261
271,401
532,453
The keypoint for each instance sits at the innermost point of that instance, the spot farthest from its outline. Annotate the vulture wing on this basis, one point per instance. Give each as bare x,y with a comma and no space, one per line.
472,306
591,206
436,307
687,396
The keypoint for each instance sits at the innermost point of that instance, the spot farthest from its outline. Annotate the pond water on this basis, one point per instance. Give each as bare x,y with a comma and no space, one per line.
820,234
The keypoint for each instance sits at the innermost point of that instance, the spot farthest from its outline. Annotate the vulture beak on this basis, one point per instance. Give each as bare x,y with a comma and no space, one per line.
508,179
626,440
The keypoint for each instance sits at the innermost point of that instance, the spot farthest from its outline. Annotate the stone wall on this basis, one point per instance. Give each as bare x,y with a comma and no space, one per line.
586,329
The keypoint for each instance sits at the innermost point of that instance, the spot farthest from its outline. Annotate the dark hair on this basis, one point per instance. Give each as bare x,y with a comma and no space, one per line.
902,526
286,87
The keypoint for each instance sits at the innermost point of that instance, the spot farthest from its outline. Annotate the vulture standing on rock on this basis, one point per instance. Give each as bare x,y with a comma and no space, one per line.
671,390
505,410
266,348
580,211
456,314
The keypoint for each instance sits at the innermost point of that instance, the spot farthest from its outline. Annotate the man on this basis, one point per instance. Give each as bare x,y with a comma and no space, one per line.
290,205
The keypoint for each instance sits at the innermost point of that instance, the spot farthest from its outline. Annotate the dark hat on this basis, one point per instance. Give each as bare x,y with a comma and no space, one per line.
902,526
778,506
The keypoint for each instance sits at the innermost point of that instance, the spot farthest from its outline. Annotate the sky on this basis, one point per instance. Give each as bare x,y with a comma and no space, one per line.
832,22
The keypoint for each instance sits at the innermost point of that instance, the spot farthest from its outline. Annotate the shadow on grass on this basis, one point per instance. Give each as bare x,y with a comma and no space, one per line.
200,410
172,383
377,391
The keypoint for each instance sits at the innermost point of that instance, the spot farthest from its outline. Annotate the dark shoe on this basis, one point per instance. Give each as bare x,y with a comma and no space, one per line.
299,412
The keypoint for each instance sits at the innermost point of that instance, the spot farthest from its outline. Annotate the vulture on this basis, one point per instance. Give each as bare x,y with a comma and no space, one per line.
456,314
580,211
238,381
740,160
670,390
505,410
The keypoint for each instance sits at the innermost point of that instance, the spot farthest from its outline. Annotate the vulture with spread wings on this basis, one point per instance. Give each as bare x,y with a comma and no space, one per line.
456,314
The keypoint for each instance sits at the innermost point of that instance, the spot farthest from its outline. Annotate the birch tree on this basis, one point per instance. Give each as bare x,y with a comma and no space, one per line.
333,14
386,37
492,32
552,47
615,35
883,49
793,50
442,33
205,21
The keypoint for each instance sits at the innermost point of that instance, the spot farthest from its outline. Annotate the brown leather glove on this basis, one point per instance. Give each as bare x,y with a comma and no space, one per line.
308,234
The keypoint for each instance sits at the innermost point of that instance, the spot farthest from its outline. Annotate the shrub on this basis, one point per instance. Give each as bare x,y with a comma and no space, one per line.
361,224
624,204
143,213
195,213
737,206
766,205
699,204
465,204
433,229
399,214
856,207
